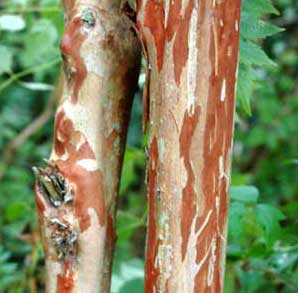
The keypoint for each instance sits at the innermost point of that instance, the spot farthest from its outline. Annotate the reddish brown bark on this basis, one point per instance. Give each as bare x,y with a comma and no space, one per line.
76,193
193,57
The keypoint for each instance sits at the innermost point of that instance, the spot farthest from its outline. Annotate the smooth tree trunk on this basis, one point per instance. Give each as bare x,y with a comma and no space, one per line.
77,189
192,49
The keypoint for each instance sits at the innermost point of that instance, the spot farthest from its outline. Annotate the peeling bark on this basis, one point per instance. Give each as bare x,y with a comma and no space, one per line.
76,192
192,50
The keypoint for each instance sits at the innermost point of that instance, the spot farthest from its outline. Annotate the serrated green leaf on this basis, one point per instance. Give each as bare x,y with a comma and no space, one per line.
252,28
269,217
245,86
252,54
6,56
259,6
244,193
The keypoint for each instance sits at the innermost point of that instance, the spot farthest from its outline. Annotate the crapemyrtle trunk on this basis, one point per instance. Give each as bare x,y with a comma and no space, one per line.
192,49
76,191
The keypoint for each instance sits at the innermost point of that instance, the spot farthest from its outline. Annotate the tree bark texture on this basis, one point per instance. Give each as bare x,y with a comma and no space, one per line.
192,49
76,192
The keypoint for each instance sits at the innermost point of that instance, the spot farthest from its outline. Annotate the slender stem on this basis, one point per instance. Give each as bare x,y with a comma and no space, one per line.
276,275
16,76
30,129
31,9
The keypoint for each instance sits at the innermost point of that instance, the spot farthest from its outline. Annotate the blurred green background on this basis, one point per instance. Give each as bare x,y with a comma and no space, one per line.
263,228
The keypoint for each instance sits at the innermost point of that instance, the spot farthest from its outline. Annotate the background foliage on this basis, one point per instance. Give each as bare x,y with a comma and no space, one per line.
263,227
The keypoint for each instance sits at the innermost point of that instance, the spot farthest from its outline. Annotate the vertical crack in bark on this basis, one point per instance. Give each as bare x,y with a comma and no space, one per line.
71,43
192,59
190,259
152,270
189,208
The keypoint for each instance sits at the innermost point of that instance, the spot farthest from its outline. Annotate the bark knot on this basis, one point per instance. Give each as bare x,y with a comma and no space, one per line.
64,238
52,185
89,19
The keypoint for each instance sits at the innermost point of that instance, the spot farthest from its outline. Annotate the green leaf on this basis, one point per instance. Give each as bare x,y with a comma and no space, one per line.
291,162
45,26
127,224
16,211
252,28
11,22
269,217
6,57
236,212
40,44
252,54
259,6
129,271
133,286
251,281
8,271
244,193
245,86
230,281
240,179
133,158
284,260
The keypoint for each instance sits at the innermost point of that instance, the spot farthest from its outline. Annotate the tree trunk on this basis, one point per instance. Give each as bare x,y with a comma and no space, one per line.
192,49
76,192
